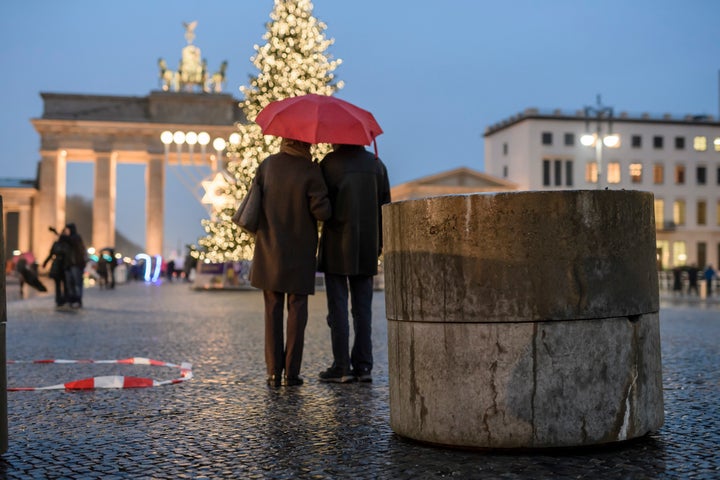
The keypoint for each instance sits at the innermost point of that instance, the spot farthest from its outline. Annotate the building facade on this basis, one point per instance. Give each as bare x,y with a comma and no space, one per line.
675,158
459,181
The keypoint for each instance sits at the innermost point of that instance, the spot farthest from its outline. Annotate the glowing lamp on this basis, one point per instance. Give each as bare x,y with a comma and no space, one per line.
166,137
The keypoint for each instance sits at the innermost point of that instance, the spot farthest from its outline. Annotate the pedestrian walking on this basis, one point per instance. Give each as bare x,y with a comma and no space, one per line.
112,264
60,254
693,272
709,275
677,281
294,198
77,266
350,245
102,270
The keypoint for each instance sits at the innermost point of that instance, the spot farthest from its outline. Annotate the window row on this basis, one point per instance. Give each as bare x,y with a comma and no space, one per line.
635,174
700,143
676,254
559,172
679,214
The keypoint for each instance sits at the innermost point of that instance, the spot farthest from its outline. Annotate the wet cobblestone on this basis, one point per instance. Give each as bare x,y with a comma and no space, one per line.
225,422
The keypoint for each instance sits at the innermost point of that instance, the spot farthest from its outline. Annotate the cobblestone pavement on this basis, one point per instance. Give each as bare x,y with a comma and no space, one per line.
225,422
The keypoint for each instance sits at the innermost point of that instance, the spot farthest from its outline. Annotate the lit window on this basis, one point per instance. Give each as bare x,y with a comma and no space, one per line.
700,143
662,248
679,212
679,253
659,213
716,143
636,172
613,172
591,173
658,174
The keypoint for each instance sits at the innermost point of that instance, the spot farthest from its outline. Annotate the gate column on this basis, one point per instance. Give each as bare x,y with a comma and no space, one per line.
154,205
105,197
51,196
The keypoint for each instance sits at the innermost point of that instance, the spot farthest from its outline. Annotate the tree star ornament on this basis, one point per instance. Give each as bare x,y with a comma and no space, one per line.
216,193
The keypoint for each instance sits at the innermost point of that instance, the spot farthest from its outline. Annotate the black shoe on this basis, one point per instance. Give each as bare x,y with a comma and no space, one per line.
273,380
362,375
293,381
336,375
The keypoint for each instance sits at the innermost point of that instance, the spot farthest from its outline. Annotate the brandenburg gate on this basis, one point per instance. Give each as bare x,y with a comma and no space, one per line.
109,130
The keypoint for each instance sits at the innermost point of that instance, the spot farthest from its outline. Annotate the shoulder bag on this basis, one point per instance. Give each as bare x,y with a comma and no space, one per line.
247,215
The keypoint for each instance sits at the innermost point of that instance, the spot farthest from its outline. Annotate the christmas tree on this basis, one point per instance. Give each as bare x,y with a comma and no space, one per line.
293,61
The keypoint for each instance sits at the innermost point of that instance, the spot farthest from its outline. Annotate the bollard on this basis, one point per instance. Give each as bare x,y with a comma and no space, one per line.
523,319
3,324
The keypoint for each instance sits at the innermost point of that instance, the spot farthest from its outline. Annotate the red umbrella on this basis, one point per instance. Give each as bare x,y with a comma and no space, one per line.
315,118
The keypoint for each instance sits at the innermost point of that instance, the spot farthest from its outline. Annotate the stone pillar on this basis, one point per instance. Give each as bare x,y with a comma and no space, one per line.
51,198
104,200
24,228
524,319
154,205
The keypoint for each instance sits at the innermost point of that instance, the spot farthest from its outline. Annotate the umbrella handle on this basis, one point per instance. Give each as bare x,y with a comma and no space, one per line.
375,145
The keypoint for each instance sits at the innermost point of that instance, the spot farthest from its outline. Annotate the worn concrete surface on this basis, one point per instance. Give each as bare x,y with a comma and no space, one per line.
524,319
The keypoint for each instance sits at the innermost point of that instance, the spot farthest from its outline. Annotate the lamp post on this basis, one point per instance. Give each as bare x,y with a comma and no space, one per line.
597,139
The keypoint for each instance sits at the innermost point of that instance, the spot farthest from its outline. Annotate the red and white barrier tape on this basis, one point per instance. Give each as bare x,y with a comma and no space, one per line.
112,381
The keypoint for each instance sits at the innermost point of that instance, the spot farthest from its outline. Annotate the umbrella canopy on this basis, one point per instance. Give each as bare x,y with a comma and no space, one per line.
315,118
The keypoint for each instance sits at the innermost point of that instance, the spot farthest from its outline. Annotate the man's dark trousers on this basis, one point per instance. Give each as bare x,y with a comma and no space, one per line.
361,292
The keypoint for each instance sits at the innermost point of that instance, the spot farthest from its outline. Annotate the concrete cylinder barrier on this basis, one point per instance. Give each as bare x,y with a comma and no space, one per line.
523,319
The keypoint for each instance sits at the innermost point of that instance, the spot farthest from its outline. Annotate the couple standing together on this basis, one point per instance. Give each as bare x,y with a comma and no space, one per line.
345,192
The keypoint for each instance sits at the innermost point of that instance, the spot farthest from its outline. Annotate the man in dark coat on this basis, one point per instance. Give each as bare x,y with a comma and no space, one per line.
294,198
77,266
351,243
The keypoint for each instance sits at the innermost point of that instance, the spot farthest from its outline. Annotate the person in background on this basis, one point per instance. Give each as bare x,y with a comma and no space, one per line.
170,270
61,254
77,266
677,281
709,275
112,263
693,272
294,198
102,270
350,245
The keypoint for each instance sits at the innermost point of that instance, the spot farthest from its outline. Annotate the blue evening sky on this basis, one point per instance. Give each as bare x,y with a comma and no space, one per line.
435,74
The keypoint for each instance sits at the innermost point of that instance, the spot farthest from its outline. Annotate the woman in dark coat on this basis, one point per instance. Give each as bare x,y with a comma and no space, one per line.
294,198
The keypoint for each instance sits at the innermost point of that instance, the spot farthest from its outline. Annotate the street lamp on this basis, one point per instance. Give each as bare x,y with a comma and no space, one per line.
597,139
219,145
193,173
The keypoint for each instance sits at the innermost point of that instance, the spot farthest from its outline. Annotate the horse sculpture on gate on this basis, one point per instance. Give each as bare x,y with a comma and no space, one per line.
192,74
215,84
168,78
